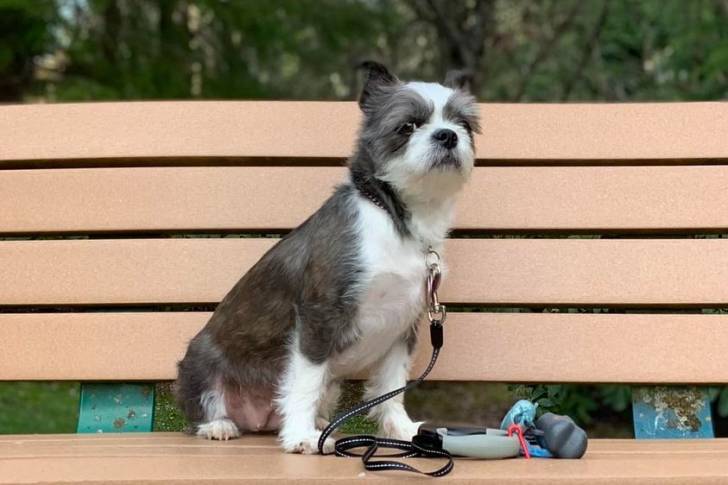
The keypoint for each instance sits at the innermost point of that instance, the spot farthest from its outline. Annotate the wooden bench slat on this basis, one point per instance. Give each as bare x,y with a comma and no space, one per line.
23,446
512,132
513,272
279,198
499,347
181,459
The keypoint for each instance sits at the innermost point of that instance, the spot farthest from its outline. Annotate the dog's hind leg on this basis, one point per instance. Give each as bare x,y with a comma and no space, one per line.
200,393
217,425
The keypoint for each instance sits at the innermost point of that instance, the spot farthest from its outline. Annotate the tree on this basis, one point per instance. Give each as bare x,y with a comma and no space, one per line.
518,50
463,29
25,34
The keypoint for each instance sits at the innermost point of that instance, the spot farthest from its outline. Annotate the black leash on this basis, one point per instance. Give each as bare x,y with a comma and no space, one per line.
408,449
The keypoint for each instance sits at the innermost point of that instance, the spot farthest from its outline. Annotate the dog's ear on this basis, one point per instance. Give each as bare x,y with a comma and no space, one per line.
461,80
376,77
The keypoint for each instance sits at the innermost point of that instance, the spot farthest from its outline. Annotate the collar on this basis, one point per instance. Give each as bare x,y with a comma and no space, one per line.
382,195
372,188
373,197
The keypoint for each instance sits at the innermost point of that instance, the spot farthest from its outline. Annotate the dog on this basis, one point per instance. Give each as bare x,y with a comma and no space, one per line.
343,293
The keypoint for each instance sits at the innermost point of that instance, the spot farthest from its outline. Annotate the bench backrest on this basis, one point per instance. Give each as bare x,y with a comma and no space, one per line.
122,224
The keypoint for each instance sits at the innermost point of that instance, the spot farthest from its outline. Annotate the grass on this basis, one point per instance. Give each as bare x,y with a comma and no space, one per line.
166,415
39,407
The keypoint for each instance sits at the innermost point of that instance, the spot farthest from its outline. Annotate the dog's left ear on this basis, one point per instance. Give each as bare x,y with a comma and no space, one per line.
376,77
461,80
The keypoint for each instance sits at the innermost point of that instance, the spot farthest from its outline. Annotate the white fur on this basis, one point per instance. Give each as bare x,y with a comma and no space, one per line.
435,92
213,403
391,287
328,404
299,395
217,426
390,374
218,429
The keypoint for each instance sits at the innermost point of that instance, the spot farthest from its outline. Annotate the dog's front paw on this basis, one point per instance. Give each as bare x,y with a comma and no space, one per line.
400,429
307,445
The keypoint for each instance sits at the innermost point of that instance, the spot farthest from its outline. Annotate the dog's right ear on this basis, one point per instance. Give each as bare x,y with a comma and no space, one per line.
460,79
376,77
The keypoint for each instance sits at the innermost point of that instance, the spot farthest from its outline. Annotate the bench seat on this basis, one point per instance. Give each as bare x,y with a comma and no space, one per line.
175,458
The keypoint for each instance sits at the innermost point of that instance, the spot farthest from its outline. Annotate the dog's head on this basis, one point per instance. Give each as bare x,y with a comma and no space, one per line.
417,136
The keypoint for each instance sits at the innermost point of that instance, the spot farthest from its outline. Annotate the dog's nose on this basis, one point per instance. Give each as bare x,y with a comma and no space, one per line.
446,138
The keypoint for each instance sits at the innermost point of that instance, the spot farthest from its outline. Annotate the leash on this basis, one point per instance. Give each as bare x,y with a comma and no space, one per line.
436,314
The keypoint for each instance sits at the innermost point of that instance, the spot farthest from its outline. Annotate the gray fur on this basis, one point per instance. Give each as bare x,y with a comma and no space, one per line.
380,137
377,81
461,108
296,284
459,79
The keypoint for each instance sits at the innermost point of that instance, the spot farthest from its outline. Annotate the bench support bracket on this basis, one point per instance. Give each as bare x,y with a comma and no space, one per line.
116,408
666,412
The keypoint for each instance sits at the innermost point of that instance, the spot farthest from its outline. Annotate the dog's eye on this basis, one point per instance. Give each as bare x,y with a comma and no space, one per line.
407,129
466,125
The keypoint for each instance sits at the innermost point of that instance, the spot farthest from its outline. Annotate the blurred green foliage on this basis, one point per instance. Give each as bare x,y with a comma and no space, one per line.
545,50
25,34
578,401
39,407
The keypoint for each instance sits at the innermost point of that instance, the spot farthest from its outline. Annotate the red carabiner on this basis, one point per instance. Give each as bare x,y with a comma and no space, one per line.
516,428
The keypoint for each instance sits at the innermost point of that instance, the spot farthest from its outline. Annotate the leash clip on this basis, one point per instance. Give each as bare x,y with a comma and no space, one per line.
436,311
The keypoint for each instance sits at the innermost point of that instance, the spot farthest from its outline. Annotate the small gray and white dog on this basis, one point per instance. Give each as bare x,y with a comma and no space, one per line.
343,292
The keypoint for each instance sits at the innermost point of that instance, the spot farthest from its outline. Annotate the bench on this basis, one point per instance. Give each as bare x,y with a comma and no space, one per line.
121,227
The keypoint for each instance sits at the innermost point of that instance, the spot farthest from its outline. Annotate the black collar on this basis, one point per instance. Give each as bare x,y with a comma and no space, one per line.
382,195
373,198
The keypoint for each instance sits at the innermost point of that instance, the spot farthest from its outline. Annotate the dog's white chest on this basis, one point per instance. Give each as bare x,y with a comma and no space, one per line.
392,291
